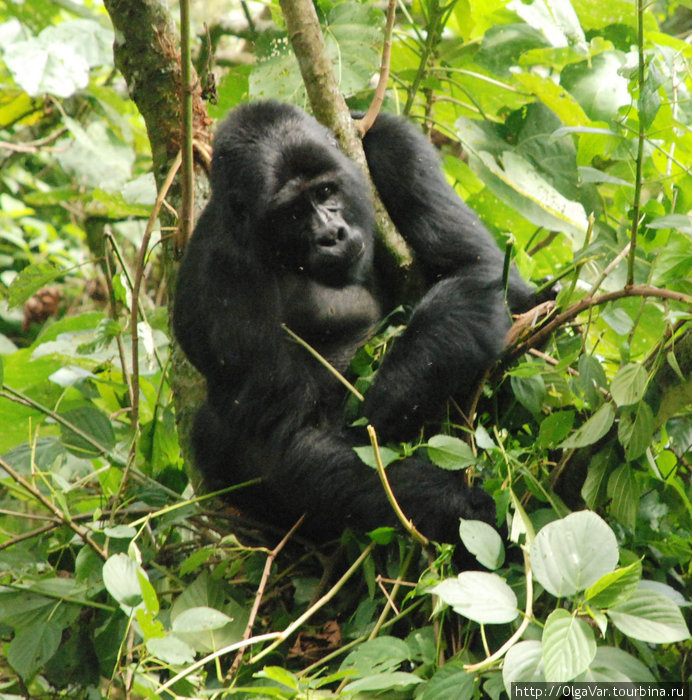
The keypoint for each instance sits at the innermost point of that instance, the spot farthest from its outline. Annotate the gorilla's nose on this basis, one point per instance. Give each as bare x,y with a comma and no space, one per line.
331,236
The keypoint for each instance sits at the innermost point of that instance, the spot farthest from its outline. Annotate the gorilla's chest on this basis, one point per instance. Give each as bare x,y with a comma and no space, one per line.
334,320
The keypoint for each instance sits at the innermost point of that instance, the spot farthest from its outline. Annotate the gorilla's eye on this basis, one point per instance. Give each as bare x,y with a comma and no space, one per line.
325,191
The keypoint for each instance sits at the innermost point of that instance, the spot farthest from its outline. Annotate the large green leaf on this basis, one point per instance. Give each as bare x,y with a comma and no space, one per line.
598,85
650,617
483,541
449,452
629,384
89,433
593,429
615,666
480,596
615,587
450,681
636,430
568,645
33,646
523,664
570,554
30,280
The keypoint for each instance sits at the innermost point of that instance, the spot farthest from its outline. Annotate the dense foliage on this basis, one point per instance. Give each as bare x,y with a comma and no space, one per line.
566,127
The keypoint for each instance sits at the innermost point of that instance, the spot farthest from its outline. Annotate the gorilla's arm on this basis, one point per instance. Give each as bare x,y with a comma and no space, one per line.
457,330
446,235
226,306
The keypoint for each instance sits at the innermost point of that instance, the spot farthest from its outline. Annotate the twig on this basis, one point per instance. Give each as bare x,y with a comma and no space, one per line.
188,170
278,637
324,362
408,524
611,265
363,125
137,284
640,147
60,515
542,334
314,608
528,613
260,593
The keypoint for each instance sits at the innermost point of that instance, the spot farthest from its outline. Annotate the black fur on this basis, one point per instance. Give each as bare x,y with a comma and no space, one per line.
287,237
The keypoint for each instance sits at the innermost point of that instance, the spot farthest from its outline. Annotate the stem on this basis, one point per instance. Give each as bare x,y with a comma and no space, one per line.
260,593
543,333
324,362
314,608
373,110
433,31
408,524
640,147
59,514
490,660
188,173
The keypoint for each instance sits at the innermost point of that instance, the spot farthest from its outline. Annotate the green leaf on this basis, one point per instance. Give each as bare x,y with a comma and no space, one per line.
279,675
568,645
681,222
87,422
555,427
530,391
650,617
615,665
624,492
450,453
597,85
32,647
570,554
200,619
41,66
121,578
593,490
367,455
649,100
202,628
171,650
593,429
636,430
591,378
450,681
30,280
382,681
483,541
615,587
629,384
523,664
379,655
480,596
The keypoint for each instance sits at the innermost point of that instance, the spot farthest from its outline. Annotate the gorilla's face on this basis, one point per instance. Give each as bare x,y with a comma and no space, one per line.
319,220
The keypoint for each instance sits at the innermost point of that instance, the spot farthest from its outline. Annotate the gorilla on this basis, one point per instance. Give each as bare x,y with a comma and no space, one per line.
287,237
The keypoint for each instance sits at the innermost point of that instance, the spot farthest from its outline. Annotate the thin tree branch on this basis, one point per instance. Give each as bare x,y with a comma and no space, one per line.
59,514
188,171
543,333
363,125
408,524
260,593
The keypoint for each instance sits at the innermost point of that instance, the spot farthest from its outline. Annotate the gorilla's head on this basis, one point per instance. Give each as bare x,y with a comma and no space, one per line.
304,205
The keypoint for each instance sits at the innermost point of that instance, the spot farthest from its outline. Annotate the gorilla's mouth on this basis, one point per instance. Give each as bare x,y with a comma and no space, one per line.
343,255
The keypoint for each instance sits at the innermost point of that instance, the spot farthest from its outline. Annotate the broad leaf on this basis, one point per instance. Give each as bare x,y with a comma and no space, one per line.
483,541
650,617
451,453
568,646
482,597
570,554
